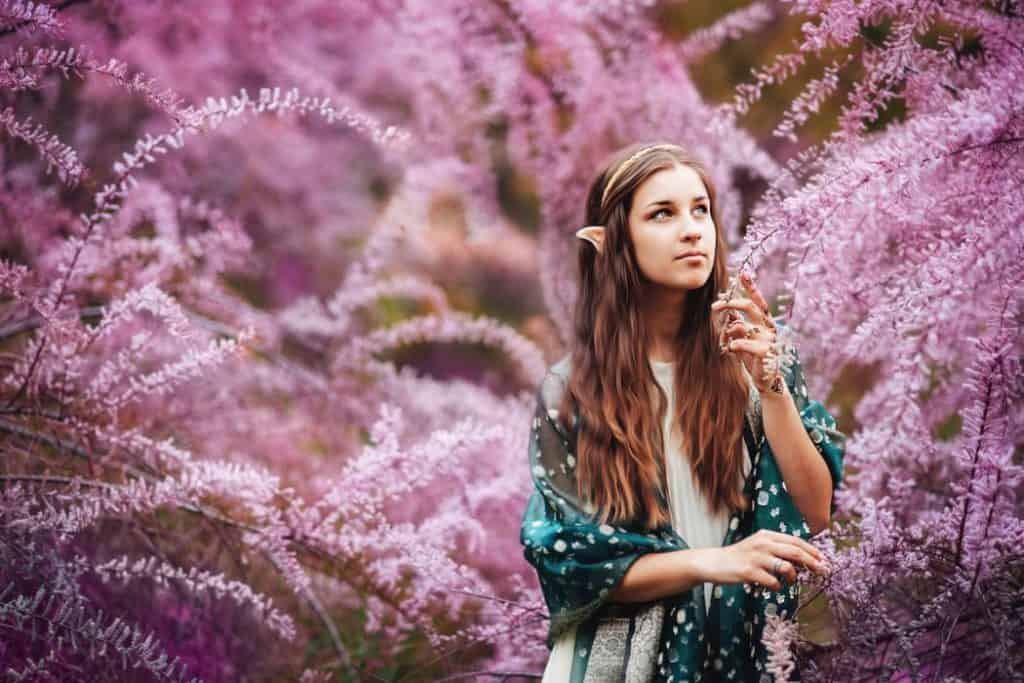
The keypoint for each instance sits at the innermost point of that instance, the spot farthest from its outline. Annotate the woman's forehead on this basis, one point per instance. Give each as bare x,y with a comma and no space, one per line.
677,183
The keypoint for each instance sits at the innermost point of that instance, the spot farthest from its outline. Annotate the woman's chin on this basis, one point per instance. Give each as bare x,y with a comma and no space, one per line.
688,281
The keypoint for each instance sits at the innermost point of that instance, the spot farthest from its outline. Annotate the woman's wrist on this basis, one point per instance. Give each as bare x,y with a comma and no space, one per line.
703,563
769,395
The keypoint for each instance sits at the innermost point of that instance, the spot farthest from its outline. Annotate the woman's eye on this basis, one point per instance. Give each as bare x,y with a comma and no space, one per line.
668,212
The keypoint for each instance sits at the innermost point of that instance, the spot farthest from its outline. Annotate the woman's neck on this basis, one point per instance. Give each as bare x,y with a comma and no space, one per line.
663,312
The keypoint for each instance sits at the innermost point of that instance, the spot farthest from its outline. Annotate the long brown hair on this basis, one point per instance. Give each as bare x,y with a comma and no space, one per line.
619,448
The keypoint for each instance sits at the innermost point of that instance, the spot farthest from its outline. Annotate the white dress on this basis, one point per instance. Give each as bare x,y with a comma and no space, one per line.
690,518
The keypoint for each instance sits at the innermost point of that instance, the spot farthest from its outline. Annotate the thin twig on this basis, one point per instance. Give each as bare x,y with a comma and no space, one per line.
22,24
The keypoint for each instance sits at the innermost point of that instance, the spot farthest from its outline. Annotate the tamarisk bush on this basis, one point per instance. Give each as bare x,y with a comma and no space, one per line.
905,254
158,314
135,375
226,251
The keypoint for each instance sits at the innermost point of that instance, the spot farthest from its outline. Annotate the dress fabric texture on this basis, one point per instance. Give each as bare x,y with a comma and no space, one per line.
691,517
708,633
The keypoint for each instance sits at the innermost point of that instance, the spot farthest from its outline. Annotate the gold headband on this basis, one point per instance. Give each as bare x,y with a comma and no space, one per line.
625,164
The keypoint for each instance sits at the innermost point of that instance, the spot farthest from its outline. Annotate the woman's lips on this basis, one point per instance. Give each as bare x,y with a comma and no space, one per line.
692,258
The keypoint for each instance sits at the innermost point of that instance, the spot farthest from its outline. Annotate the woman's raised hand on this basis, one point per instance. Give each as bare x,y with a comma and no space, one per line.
755,341
752,559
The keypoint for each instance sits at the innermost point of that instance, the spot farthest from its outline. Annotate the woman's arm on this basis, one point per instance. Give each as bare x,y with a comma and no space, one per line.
751,560
656,575
788,424
806,475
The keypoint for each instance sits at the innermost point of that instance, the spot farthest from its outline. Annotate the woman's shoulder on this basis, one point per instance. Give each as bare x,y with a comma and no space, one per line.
555,380
552,390
562,366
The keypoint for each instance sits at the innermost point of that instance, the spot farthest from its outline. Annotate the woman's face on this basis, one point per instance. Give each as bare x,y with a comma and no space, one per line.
671,215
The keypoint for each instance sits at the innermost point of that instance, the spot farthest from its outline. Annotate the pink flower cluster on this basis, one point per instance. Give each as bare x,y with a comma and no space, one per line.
267,360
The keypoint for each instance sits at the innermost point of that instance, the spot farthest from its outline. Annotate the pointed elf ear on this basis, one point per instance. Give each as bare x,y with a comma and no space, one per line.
593,234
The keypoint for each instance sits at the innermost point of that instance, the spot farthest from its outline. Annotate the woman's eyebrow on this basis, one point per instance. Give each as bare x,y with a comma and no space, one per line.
669,202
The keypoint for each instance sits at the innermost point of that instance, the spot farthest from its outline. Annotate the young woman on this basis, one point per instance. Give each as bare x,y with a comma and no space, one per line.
678,464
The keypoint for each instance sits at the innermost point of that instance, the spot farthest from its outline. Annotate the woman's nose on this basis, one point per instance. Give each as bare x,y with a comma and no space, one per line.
690,230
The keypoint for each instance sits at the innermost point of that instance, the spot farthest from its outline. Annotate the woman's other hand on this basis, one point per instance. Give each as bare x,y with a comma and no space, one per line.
753,559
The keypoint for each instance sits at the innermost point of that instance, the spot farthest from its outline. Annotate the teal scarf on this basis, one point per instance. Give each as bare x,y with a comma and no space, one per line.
579,562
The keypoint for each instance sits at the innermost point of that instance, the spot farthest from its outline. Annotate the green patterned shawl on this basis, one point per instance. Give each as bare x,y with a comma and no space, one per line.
579,561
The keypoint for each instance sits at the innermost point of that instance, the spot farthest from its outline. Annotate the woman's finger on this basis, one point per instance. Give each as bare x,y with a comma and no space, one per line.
742,304
798,556
727,317
763,577
755,347
783,568
779,537
755,292
737,330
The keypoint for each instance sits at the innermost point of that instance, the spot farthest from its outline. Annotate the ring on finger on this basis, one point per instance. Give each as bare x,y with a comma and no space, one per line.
775,566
